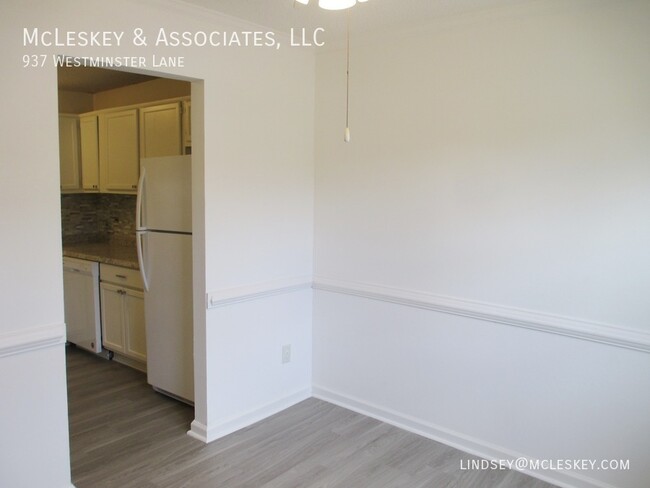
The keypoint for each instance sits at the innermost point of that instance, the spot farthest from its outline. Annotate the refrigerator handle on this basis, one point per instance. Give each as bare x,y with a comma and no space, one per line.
138,201
143,271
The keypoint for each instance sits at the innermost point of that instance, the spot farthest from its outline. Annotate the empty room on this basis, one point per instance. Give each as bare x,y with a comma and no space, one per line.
326,243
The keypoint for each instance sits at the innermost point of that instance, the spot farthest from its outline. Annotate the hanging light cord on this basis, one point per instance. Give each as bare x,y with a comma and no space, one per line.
346,137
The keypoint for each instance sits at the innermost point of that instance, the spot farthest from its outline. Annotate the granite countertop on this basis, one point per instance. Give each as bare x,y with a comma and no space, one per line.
124,255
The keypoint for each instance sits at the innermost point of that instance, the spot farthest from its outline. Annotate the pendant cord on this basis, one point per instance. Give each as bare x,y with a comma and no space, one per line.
347,86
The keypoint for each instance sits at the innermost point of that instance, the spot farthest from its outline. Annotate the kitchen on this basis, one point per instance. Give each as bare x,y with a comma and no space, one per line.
125,146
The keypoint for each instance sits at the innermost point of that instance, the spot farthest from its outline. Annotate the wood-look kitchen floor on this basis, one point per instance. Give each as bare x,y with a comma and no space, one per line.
123,434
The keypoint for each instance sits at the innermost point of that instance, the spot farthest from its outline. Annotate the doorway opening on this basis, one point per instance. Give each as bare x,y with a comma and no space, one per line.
110,121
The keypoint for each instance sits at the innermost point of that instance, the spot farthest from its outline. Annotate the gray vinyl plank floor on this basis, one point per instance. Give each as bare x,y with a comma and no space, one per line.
123,434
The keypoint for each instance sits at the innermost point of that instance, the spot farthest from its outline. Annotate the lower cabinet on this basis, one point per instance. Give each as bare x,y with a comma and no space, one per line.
122,299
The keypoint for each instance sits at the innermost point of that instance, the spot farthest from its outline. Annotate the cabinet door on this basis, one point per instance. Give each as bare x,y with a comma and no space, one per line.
160,130
118,151
89,153
187,127
112,298
69,153
134,326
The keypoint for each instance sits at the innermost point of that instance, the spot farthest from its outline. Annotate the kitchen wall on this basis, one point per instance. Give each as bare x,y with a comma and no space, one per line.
148,91
72,102
481,244
95,217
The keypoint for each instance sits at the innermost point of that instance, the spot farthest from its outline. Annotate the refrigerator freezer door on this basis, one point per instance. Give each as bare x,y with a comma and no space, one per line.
168,313
166,193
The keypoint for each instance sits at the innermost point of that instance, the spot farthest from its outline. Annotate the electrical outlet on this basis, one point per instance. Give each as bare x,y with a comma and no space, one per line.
286,353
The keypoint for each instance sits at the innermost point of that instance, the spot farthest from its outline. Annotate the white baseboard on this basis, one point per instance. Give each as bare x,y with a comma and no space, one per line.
211,433
31,339
130,362
462,442
198,431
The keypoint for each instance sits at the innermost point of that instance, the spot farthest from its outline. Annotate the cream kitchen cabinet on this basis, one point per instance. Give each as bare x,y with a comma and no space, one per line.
160,130
122,304
69,166
187,127
89,132
119,155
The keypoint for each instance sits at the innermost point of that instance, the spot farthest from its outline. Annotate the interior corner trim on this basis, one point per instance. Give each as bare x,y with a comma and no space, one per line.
31,339
534,320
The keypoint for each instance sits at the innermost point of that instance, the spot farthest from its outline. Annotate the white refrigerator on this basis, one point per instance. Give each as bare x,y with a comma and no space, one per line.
164,242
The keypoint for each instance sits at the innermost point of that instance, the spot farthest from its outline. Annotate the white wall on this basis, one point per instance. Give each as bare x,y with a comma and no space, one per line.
498,172
248,380
32,374
34,443
255,173
259,234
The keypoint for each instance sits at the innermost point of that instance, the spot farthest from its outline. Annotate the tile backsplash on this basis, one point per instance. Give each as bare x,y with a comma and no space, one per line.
95,217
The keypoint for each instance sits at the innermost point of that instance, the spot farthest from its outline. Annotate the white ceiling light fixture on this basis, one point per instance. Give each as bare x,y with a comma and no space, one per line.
334,4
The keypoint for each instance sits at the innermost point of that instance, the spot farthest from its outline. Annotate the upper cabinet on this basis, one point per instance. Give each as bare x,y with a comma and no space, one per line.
100,151
160,130
89,131
69,153
187,127
119,160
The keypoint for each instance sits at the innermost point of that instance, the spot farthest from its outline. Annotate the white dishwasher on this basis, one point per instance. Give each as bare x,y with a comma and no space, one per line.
81,300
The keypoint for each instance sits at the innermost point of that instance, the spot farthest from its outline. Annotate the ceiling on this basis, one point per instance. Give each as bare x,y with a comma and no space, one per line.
365,18
375,16
93,80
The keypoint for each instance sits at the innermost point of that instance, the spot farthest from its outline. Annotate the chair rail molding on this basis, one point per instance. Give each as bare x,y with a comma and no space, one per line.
555,324
256,291
30,339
